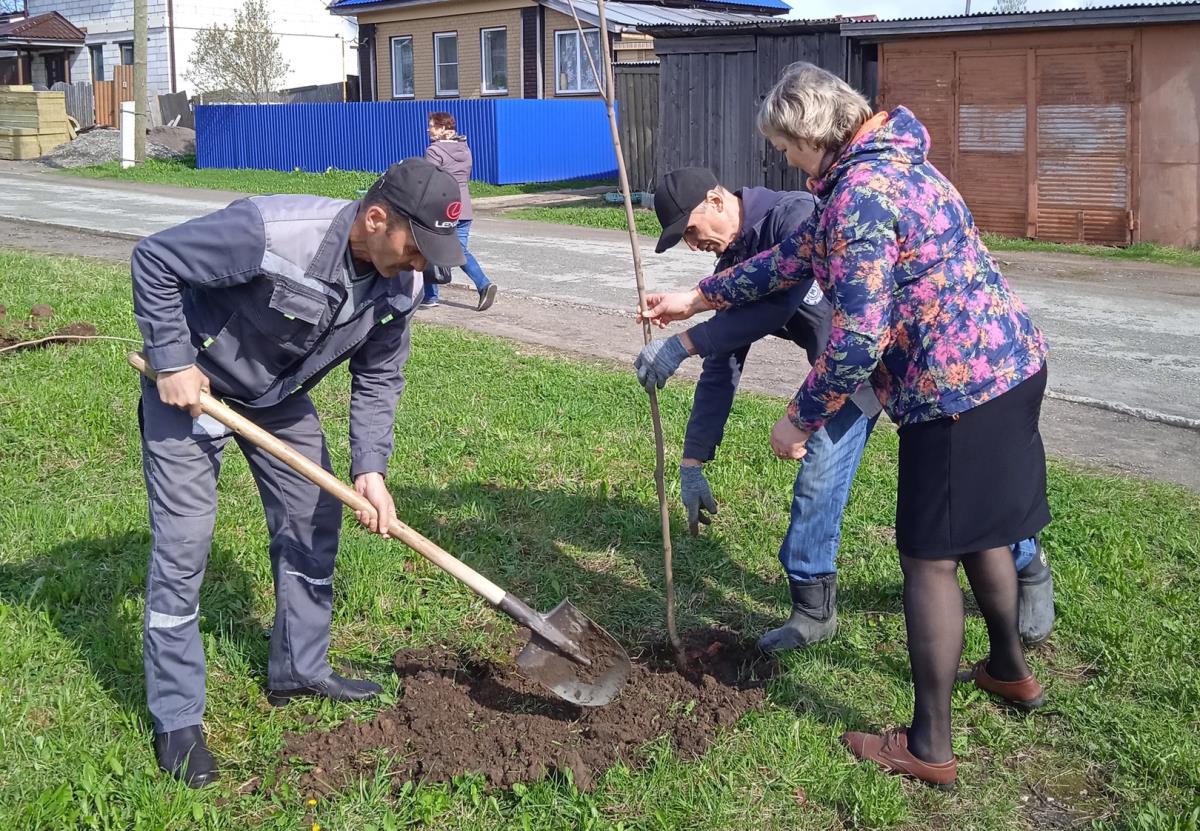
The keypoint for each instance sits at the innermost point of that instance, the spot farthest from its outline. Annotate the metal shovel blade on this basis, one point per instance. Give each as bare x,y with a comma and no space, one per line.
590,686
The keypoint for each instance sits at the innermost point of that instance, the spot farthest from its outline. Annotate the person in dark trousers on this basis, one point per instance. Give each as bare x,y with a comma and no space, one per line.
256,303
450,152
922,312
692,206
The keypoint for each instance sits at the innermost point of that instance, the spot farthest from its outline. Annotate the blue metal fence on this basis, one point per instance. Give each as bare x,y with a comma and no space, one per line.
511,140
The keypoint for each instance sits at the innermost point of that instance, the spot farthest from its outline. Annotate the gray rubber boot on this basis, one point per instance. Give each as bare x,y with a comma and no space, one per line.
814,616
1035,614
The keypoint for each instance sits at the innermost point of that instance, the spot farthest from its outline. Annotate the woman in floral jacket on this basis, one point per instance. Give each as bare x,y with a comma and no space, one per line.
922,311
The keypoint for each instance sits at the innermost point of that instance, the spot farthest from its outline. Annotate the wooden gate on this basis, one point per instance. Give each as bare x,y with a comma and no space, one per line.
110,94
637,105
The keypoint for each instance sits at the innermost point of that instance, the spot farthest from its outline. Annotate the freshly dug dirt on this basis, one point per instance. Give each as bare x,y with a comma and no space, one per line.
458,715
26,340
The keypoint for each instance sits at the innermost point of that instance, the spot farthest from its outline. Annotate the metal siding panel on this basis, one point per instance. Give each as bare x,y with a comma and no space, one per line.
1083,145
924,84
990,152
533,139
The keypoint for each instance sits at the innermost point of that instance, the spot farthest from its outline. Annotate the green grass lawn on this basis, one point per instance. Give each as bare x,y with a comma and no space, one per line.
591,214
339,184
539,473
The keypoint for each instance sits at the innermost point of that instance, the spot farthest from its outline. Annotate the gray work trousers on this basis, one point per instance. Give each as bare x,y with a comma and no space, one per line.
181,459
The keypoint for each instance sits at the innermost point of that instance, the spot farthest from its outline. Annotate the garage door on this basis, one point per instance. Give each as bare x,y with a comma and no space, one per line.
924,84
990,169
1083,148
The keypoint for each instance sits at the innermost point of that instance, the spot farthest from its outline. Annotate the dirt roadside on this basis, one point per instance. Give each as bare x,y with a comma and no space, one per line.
1090,437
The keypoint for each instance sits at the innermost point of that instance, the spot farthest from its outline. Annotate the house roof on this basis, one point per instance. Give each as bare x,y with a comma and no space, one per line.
1126,14
759,25
641,16
50,28
631,14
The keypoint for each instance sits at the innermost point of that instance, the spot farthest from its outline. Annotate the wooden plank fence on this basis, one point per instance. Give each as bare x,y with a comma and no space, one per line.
81,102
110,94
637,104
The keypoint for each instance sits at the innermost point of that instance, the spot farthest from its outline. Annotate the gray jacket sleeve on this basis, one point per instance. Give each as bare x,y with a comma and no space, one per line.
376,384
218,250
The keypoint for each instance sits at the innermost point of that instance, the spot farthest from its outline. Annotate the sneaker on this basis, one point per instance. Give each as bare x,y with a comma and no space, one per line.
431,303
487,296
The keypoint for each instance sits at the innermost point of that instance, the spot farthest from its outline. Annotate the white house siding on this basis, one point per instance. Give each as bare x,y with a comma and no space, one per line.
318,47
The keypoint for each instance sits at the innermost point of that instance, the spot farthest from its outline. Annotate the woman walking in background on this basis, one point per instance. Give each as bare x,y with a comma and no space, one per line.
921,310
449,151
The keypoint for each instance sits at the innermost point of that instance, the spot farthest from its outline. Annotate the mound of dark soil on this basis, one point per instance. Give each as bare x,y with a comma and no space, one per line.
458,715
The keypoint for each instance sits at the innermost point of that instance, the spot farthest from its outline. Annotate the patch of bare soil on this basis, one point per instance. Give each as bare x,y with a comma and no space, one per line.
458,715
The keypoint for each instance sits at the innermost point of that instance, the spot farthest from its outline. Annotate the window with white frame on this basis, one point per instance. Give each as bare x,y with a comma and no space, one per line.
402,67
96,51
445,59
493,46
573,70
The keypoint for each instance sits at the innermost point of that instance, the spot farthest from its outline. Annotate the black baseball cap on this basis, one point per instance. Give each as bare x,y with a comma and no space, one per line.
678,194
430,198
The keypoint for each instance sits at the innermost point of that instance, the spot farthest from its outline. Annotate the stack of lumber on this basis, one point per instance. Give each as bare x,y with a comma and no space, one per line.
32,123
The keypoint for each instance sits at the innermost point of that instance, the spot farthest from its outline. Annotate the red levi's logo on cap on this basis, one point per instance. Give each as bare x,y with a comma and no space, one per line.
453,210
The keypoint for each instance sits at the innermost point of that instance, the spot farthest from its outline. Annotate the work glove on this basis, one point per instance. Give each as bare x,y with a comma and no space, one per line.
697,497
658,361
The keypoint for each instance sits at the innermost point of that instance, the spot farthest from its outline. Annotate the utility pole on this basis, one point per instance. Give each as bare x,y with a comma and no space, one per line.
141,44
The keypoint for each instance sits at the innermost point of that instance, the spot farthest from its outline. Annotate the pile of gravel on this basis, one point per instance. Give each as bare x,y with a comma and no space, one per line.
103,144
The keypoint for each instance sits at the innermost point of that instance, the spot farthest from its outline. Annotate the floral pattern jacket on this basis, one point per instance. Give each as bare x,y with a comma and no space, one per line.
920,308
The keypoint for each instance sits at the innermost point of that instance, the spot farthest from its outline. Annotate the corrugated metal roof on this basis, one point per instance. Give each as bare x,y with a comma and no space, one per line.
773,25
642,15
667,14
1171,11
43,27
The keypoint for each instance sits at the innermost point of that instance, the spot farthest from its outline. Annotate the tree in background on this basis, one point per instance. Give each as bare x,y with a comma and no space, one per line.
1010,6
10,6
242,61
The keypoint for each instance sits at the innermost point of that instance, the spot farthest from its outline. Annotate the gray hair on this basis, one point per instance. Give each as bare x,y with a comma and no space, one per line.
807,103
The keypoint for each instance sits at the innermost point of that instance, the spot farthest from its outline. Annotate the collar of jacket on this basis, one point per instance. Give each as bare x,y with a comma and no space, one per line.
327,265
757,204
821,186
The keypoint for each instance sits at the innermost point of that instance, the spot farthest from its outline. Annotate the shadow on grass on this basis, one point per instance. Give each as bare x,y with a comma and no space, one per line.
603,552
91,590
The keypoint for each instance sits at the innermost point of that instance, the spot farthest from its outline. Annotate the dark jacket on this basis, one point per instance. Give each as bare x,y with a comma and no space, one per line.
454,157
801,315
260,297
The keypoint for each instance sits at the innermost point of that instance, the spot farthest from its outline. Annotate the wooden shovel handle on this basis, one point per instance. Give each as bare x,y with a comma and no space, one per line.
319,476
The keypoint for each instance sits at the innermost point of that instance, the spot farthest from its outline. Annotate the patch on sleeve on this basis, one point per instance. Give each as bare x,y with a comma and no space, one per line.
814,296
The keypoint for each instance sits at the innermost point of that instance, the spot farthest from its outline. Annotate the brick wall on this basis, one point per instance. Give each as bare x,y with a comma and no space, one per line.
467,27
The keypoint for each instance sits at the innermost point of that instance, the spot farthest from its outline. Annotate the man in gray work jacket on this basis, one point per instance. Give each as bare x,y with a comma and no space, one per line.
255,304
693,207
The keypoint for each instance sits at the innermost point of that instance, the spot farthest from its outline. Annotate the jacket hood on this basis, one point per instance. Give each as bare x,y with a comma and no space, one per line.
898,137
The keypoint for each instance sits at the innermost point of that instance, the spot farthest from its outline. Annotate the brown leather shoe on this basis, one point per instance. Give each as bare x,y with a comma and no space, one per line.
890,751
1026,693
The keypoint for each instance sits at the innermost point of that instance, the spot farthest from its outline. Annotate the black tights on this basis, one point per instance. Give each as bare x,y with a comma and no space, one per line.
933,615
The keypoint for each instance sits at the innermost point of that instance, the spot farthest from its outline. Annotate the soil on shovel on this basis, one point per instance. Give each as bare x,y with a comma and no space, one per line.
12,342
458,715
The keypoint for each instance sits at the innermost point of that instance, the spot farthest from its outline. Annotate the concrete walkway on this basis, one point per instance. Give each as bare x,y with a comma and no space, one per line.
1119,331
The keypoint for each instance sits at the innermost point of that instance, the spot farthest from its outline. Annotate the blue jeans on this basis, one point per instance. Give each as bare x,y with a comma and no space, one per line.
472,268
819,497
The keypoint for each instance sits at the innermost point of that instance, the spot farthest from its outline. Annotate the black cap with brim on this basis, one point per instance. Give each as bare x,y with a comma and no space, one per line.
439,249
430,198
679,193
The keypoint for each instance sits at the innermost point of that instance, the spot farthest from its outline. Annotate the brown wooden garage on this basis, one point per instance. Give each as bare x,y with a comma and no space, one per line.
1040,119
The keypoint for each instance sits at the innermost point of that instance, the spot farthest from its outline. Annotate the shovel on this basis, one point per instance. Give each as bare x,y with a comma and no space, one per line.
567,652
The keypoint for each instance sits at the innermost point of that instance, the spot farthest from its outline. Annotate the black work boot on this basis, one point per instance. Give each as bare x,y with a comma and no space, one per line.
335,688
814,616
1035,612
183,754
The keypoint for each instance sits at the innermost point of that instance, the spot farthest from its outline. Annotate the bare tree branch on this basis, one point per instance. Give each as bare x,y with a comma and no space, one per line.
243,60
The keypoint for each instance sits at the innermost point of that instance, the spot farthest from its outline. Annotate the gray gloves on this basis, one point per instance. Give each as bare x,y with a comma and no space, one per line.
697,497
658,361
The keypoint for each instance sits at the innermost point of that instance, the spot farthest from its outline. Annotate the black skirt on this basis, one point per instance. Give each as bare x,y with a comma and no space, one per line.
976,481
